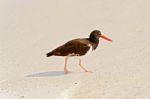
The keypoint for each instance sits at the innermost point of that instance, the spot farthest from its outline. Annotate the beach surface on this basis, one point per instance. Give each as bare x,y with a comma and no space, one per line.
31,28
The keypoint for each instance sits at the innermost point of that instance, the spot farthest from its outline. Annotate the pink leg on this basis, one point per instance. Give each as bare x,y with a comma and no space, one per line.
83,67
65,68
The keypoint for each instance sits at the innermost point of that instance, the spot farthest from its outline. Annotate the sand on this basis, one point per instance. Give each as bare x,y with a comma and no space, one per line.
30,29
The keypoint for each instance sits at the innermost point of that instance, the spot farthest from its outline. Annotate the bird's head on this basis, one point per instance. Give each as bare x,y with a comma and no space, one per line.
96,34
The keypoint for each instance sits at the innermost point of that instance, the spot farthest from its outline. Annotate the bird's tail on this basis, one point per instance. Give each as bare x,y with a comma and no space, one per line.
49,54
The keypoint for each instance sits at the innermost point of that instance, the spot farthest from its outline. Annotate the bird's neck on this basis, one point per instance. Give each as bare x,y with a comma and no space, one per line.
94,42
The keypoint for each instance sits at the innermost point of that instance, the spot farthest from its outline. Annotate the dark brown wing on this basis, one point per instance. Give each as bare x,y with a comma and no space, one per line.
74,47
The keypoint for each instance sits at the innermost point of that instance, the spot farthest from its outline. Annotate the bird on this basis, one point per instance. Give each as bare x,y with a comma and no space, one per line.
78,47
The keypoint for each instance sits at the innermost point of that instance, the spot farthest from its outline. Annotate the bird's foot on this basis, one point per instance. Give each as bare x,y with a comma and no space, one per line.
88,71
66,71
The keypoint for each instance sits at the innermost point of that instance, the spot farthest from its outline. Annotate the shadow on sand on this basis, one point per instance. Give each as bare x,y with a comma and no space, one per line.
47,74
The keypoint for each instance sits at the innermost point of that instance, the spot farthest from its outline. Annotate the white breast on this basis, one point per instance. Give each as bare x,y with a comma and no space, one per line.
90,50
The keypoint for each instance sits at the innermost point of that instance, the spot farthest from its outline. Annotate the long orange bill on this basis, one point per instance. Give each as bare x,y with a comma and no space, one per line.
106,38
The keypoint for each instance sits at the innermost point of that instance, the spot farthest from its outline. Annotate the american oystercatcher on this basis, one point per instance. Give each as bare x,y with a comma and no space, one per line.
78,47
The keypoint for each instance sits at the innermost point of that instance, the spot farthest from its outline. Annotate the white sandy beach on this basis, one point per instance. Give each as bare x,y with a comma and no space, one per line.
31,28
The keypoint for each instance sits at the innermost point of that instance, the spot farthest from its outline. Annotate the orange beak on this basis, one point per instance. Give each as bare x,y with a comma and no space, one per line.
106,38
